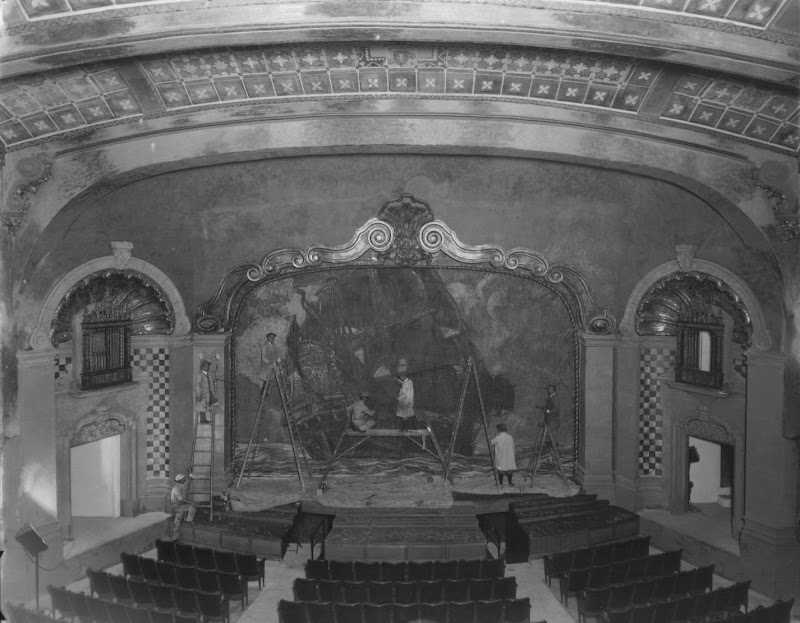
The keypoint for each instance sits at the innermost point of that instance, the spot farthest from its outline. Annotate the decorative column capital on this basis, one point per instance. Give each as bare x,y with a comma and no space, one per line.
766,360
598,341
35,358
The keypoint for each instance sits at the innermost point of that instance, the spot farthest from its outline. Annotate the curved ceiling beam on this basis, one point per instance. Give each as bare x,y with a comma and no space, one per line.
56,41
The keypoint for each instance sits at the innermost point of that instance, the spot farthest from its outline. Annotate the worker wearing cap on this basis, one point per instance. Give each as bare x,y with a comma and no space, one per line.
361,416
180,503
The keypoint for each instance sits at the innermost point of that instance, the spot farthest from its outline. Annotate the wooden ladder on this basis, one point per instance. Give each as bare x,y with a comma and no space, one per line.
544,443
300,459
201,483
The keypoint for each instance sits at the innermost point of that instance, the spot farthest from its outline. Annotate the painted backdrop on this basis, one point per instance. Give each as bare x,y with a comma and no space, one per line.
342,332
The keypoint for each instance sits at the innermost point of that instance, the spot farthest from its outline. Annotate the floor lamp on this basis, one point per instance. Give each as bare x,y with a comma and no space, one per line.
33,544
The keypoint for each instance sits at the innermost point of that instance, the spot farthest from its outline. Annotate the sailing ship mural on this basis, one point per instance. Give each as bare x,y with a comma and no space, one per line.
345,332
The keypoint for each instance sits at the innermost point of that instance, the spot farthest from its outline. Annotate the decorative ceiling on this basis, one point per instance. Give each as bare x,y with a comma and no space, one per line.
47,105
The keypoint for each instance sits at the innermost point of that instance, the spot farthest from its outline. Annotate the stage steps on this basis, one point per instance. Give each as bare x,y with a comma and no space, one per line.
396,534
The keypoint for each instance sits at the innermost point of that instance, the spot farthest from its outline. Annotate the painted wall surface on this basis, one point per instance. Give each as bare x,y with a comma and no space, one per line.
196,224
343,332
94,472
705,474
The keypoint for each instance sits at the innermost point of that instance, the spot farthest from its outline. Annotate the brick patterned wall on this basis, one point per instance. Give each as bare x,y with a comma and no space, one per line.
654,363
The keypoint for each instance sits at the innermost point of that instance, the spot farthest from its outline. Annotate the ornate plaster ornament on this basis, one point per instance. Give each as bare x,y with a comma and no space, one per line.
684,254
35,172
784,207
122,253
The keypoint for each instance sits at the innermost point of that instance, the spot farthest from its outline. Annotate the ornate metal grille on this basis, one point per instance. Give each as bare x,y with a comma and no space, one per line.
106,348
688,368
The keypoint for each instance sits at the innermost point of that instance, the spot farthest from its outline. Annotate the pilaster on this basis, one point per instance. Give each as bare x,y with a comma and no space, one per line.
598,409
626,423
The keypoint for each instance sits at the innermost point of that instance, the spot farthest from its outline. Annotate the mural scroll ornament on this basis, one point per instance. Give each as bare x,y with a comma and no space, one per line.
95,426
405,233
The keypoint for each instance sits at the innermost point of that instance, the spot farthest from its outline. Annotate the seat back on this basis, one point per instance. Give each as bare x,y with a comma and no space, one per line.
470,569
292,612
140,592
162,596
138,615
149,568
355,592
671,562
493,567
230,584
517,610
445,570
184,554
621,551
703,579
166,573
306,590
405,592
393,571
433,612
505,588
97,609
636,569
210,605
77,602
599,576
367,571
642,591
595,600
482,589
184,599
159,616
455,590
663,588
654,565
329,590
431,591
119,587
117,612
405,613
463,612
166,550
317,569
205,558
342,570
225,561
618,573
377,613
490,611
247,565
186,577
319,611
641,547
581,559
59,600
418,571
347,612
663,612
99,583
601,555
620,597
207,580
381,592
130,565
642,614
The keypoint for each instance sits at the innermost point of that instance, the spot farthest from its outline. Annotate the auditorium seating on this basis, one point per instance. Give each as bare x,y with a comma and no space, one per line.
456,591
488,611
635,570
405,571
621,551
248,566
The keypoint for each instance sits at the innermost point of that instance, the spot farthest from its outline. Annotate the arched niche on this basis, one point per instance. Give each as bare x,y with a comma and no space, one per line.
40,334
405,235
761,339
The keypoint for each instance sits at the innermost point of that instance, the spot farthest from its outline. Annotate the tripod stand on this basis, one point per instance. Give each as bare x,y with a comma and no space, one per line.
545,443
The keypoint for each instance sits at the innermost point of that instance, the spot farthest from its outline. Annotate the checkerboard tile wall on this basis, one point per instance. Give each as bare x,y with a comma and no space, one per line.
154,362
63,368
654,364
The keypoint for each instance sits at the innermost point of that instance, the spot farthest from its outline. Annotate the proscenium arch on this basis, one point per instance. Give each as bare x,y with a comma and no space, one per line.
762,340
406,235
556,136
40,334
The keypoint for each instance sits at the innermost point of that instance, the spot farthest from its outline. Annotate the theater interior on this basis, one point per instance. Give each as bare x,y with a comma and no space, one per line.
229,225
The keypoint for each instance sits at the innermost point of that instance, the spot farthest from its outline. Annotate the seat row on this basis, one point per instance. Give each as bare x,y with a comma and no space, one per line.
612,601
779,612
620,573
429,591
490,611
186,607
405,571
161,594
188,555
596,556
718,604
690,582
158,572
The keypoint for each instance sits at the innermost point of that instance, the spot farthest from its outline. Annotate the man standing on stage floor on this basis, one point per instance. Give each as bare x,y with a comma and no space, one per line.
505,455
552,412
205,397
180,503
361,416
405,399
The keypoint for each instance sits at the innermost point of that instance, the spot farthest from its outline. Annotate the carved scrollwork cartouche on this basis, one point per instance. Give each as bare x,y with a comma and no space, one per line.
405,233
99,426
709,429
